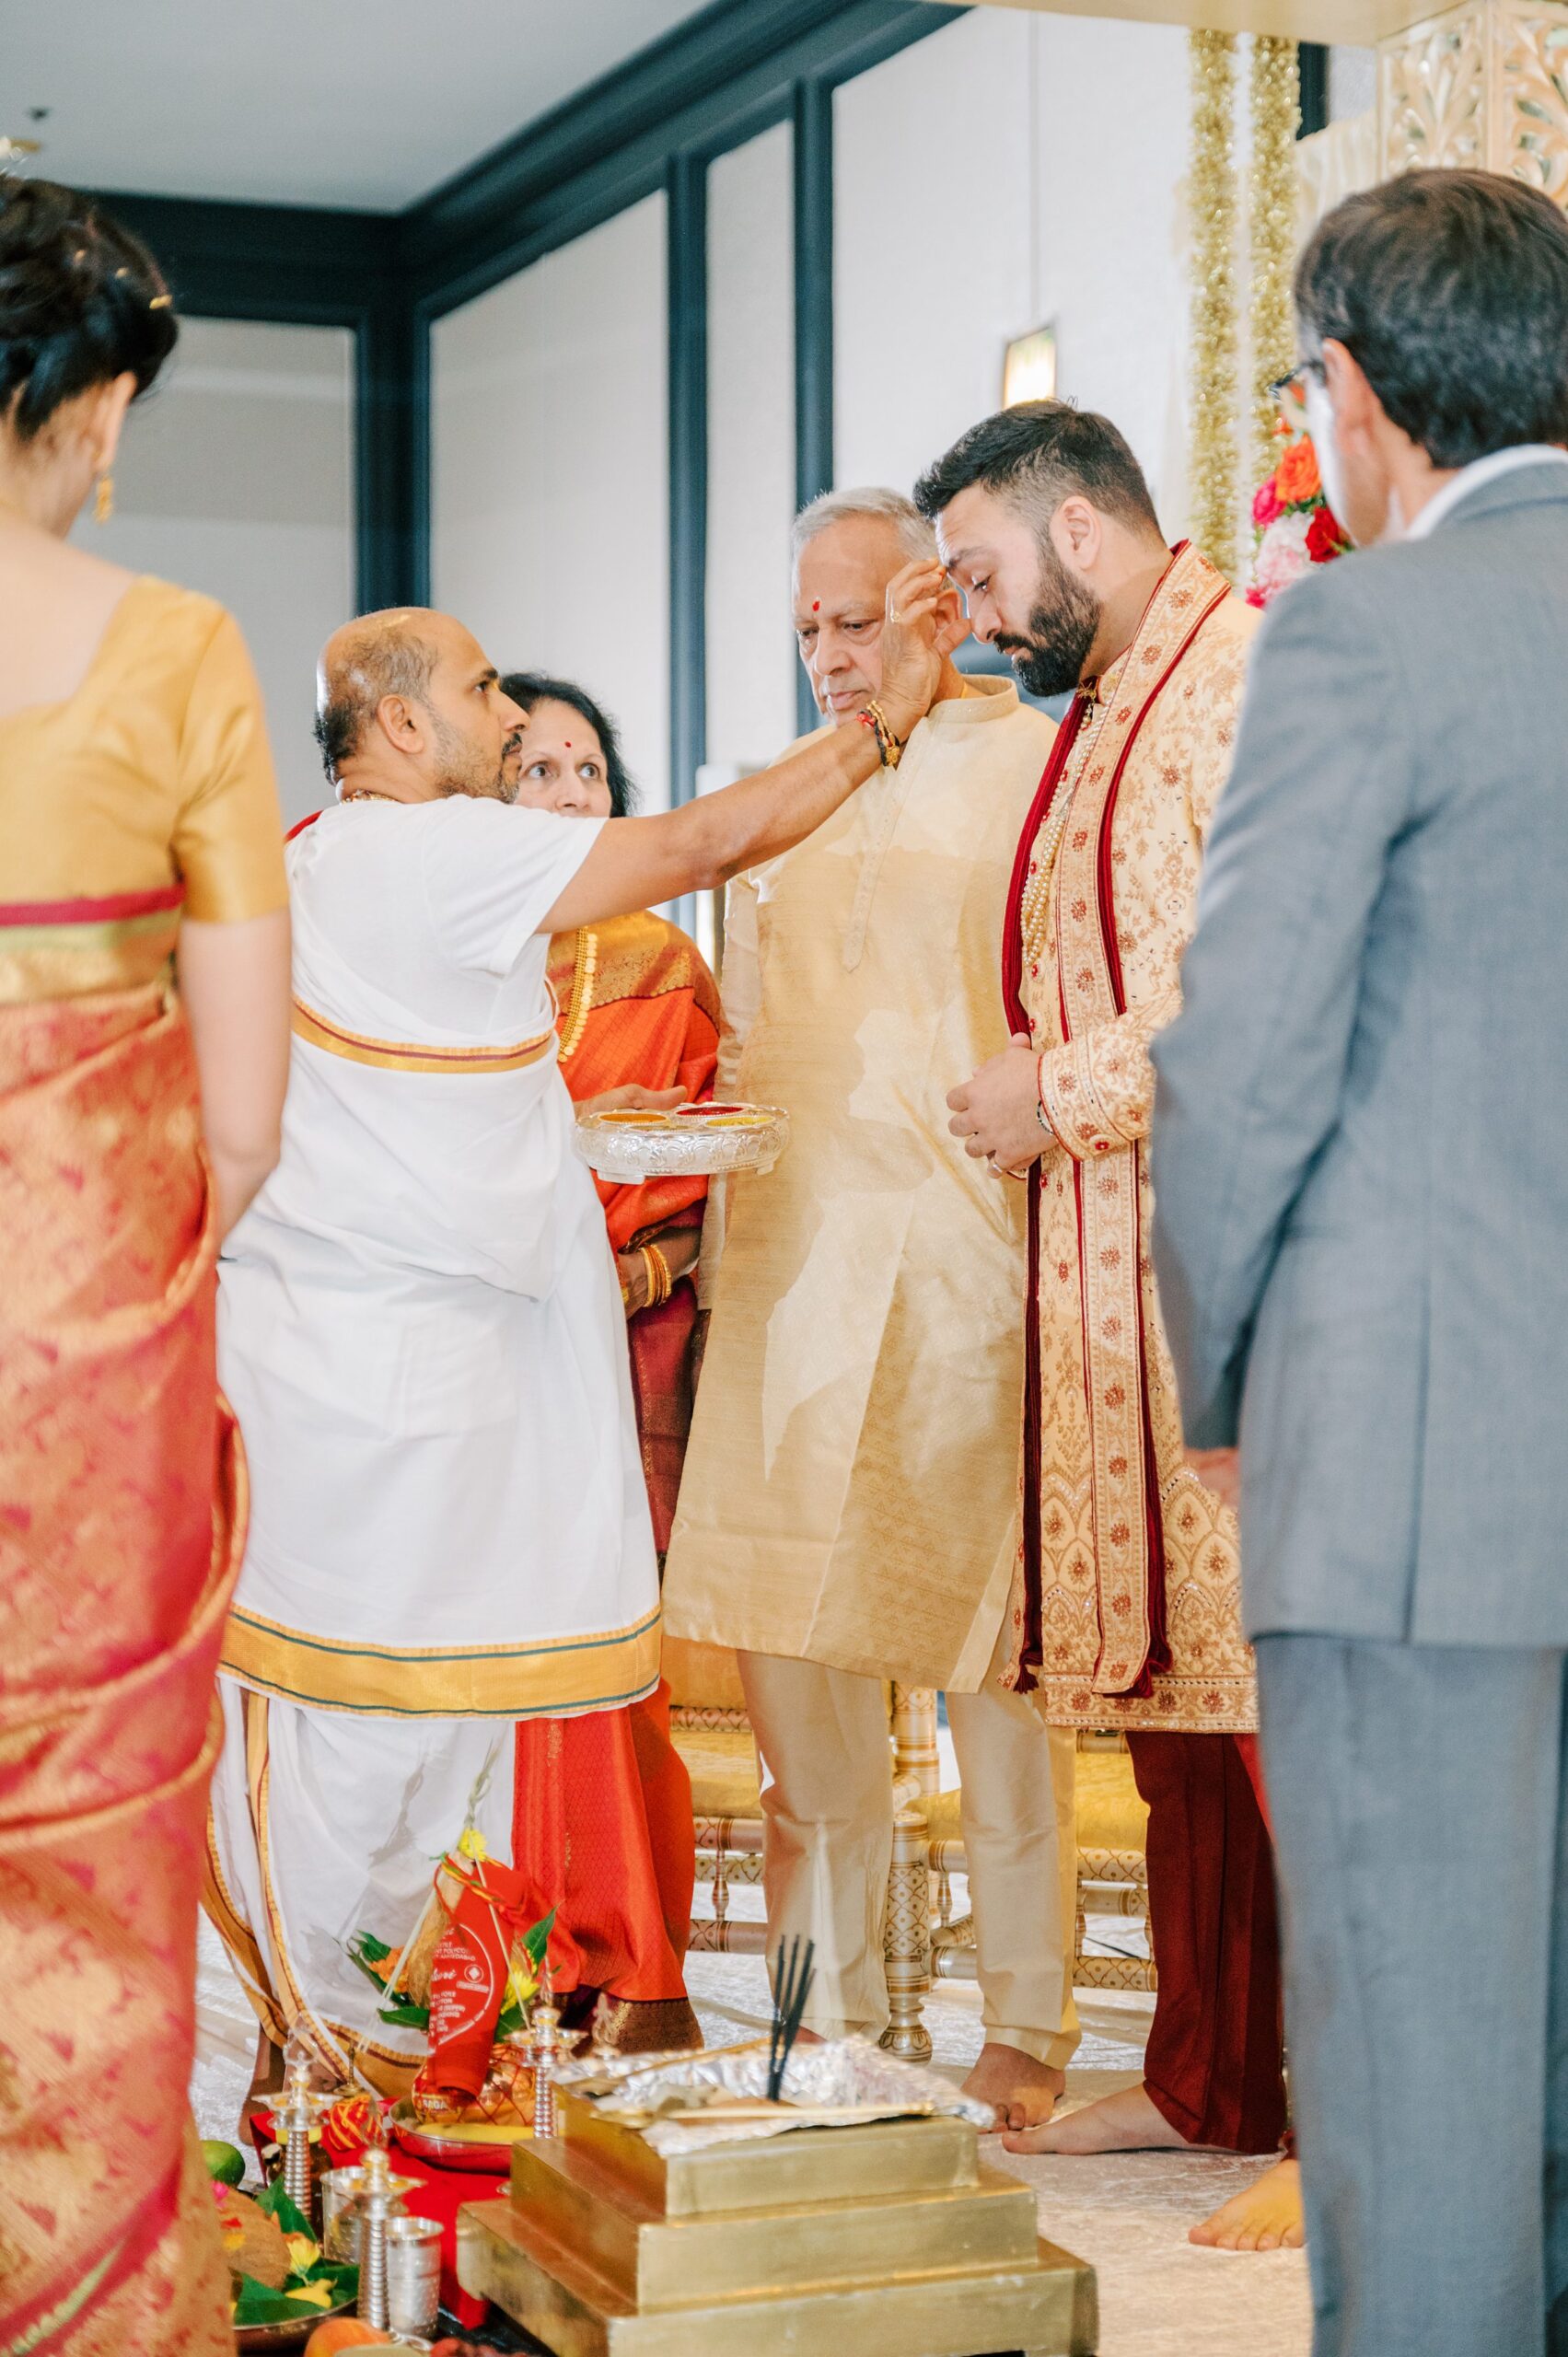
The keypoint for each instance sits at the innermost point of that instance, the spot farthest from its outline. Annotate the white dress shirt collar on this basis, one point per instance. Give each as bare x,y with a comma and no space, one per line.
1479,472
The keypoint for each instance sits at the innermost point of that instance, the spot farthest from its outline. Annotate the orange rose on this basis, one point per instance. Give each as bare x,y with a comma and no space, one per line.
1296,478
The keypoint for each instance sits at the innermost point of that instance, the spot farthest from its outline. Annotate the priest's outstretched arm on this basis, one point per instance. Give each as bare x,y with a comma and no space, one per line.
637,863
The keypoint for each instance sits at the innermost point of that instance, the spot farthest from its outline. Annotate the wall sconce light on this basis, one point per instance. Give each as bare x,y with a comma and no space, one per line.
1028,371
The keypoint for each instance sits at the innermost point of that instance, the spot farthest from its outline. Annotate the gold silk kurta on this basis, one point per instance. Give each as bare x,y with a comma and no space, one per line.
851,1482
1126,1605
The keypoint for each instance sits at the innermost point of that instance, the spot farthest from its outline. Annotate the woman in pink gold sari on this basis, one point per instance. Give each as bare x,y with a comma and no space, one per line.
144,964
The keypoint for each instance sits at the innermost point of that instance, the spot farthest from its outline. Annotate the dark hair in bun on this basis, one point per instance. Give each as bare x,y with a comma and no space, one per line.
81,301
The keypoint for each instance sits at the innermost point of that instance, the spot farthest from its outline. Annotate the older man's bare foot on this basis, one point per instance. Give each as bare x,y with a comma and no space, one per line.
1126,2122
1268,2216
1024,2092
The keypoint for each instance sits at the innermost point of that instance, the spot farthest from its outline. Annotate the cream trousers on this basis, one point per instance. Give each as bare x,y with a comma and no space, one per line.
828,1838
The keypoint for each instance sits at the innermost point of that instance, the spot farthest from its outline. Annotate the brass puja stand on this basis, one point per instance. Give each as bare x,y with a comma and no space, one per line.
886,2240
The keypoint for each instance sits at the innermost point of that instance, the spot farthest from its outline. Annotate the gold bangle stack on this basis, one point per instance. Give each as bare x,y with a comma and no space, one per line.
661,1284
891,747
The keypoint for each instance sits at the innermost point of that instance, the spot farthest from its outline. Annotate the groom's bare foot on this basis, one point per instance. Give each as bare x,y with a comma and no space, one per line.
1126,2122
1024,2092
1267,2216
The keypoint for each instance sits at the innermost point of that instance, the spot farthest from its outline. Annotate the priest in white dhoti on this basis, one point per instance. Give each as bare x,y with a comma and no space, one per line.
847,1512
422,1329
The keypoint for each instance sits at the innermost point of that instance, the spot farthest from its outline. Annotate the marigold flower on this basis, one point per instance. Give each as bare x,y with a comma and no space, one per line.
1298,478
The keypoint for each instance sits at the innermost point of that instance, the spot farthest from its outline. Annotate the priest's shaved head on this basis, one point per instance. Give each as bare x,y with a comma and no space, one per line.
1045,520
409,708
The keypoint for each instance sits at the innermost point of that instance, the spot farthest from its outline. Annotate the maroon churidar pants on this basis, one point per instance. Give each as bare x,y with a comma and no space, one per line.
1213,2066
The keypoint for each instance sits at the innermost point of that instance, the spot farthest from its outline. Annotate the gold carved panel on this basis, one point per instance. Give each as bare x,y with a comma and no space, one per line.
1533,98
1483,85
1432,92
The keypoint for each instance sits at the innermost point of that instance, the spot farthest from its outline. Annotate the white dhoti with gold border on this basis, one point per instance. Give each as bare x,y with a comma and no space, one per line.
422,1333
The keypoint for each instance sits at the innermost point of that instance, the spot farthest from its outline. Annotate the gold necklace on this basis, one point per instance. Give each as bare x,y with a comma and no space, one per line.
1034,916
364,793
585,965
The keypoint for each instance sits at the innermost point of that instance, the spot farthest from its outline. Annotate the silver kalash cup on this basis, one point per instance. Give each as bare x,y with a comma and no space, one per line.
341,2224
413,2275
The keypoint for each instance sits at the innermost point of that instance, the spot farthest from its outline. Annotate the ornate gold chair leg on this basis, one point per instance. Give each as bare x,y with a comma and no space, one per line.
914,1736
906,1937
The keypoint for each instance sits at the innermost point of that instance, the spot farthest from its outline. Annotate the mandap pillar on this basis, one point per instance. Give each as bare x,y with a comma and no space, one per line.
1484,86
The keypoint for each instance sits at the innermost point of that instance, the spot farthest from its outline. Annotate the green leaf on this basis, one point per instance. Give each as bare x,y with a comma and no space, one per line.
365,1952
343,2280
537,1940
406,2016
510,2020
257,2304
277,2206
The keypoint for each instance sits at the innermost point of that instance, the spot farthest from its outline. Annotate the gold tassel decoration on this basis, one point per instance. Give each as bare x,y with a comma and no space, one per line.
103,506
1212,189
1276,116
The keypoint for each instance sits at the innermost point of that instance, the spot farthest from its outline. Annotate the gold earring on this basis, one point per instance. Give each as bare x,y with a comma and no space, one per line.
104,506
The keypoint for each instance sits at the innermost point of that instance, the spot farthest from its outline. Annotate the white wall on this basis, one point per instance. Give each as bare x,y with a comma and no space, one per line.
550,453
1009,171
750,649
236,476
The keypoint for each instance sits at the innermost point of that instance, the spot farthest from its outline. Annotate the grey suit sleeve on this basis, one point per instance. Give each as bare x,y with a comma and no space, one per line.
1250,1074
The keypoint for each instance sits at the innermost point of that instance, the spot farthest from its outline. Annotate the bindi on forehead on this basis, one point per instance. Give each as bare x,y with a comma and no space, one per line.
816,605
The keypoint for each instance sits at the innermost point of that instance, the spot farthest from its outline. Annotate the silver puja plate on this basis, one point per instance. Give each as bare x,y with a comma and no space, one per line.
692,1142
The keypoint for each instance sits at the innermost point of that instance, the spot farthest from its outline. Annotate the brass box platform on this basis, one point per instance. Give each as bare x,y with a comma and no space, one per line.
894,2238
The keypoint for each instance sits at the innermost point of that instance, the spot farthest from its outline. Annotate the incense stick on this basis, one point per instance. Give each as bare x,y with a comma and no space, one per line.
792,1985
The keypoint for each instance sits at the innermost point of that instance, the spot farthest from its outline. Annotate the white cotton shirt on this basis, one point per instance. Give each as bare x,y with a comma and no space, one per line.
421,1326
1481,470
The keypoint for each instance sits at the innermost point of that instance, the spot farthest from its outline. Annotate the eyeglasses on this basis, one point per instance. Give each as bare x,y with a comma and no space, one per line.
1297,377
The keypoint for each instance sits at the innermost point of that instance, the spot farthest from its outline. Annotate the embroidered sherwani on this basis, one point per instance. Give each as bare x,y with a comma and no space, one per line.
1126,1604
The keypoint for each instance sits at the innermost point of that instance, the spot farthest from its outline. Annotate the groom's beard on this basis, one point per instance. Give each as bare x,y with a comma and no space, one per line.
1063,624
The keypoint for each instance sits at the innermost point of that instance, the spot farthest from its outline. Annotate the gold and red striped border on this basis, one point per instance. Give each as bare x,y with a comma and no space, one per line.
403,1055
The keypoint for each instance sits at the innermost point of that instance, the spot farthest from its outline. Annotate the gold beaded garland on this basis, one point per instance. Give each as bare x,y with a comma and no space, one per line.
1276,116
1212,447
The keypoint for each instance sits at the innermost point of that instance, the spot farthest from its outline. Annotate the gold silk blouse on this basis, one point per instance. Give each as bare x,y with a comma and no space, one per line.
155,771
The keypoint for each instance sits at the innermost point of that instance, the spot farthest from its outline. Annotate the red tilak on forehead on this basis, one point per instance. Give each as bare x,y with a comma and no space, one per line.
568,744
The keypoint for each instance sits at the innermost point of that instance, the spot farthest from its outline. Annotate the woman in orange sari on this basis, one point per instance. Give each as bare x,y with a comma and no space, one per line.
639,1015
144,1033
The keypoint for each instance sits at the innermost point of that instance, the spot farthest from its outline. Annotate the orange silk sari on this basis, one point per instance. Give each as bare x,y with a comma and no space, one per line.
602,1819
122,1523
638,1004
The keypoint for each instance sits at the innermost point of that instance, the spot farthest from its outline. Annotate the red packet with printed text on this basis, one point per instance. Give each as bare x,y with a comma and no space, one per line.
469,1973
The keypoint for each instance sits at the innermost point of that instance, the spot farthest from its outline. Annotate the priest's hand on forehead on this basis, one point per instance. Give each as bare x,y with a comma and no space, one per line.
920,629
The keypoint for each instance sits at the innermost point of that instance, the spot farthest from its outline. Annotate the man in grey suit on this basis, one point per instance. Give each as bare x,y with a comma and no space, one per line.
1360,1166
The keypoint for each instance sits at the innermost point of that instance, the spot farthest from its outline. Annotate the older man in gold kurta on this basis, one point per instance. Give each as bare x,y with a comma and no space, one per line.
847,1510
1126,1602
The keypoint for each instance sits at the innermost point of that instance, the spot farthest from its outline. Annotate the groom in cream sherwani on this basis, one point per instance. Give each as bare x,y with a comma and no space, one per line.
847,1512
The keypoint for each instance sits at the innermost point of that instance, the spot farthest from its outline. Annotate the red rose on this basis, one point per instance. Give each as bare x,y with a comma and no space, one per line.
1326,537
